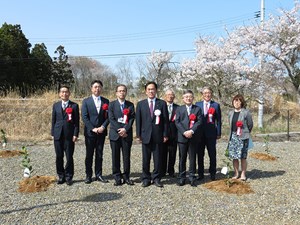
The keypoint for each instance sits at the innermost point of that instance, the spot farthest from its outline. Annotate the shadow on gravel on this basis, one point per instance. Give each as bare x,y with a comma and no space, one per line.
136,178
100,197
258,174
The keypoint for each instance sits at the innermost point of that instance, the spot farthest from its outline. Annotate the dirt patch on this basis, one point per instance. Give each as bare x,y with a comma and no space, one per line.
36,184
9,153
235,186
262,156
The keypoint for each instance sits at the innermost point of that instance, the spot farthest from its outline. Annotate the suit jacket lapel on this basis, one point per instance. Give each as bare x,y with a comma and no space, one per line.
192,109
147,108
120,107
230,118
241,116
186,116
172,113
156,106
91,102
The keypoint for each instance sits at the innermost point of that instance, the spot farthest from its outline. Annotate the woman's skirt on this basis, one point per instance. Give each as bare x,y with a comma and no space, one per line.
237,148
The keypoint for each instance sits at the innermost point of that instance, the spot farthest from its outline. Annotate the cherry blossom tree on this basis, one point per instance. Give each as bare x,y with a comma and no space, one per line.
279,42
161,69
221,64
251,59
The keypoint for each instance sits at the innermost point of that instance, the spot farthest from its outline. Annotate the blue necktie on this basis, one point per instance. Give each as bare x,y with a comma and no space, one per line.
65,105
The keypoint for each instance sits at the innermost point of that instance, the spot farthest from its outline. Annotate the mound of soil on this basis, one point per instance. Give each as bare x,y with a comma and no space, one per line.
262,156
231,186
9,153
36,184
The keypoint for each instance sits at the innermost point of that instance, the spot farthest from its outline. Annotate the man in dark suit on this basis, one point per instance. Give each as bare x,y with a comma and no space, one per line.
65,131
170,147
95,117
121,117
210,132
152,130
188,122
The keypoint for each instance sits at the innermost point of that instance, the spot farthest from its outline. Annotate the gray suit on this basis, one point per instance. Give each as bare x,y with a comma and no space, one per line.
188,146
246,118
118,143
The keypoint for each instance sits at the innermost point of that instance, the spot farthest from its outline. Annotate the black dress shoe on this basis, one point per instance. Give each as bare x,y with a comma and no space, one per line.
118,183
171,175
129,182
181,182
61,181
193,183
69,182
101,179
88,180
200,177
213,177
146,183
157,183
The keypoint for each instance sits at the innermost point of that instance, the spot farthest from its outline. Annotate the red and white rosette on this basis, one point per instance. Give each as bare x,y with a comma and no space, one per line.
125,117
69,113
239,125
192,118
157,114
210,112
105,108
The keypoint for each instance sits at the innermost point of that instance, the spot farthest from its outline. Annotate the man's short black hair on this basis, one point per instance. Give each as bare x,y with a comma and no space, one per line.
151,82
188,92
121,85
63,86
97,81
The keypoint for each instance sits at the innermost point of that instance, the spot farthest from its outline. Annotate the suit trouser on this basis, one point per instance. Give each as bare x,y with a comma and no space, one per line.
64,146
117,146
185,149
155,149
210,143
168,157
94,144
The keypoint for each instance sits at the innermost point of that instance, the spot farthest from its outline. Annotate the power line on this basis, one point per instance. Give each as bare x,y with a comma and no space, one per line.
113,55
146,35
134,54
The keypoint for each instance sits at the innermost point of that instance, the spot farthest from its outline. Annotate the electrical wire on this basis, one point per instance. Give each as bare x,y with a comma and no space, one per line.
146,35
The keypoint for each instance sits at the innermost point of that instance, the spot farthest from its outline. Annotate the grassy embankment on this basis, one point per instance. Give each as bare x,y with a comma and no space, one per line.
30,119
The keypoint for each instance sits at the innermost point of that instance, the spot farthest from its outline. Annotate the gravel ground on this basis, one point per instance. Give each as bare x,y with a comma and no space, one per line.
276,197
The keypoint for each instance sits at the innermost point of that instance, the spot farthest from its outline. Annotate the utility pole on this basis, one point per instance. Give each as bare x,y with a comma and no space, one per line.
261,60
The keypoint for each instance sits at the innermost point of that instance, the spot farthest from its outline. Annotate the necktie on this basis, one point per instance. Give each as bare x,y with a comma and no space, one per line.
206,108
170,111
98,103
151,108
122,106
188,110
65,105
